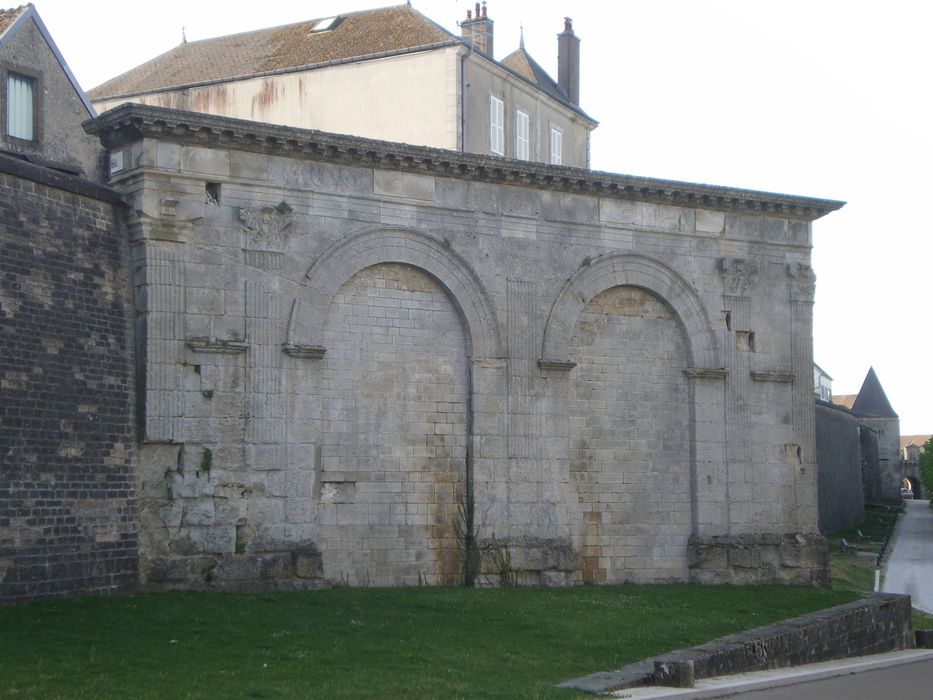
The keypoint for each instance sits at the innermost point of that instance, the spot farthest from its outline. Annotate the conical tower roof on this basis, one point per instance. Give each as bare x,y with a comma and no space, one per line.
871,399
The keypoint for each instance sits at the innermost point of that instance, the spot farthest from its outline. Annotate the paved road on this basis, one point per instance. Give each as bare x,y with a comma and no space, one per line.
905,682
909,567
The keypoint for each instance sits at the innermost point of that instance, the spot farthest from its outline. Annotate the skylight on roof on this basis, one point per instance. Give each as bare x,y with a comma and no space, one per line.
325,24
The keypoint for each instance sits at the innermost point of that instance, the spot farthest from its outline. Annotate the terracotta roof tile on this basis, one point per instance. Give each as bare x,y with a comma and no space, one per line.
355,35
918,440
7,17
845,400
521,62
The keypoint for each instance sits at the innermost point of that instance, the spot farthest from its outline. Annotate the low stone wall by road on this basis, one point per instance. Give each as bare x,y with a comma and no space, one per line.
873,625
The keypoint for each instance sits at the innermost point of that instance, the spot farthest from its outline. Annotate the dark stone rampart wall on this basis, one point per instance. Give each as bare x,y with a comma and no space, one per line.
68,522
842,496
871,472
873,625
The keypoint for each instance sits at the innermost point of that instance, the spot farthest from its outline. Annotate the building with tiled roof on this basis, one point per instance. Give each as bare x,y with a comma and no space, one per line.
42,106
844,400
912,446
7,17
390,74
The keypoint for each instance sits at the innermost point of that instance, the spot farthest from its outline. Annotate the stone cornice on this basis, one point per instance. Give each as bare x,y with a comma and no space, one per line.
557,365
308,352
706,372
11,165
128,123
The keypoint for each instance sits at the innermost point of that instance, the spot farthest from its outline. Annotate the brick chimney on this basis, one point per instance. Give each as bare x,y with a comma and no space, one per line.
568,62
478,30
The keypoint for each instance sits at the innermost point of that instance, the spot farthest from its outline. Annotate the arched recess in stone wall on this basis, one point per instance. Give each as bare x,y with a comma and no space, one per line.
396,245
619,269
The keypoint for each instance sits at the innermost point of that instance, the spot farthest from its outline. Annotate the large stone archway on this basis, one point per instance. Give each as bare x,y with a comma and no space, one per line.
394,245
394,401
630,436
394,318
617,270
643,362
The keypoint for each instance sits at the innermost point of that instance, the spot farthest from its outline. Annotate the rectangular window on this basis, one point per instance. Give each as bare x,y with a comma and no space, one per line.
20,111
557,146
522,145
496,126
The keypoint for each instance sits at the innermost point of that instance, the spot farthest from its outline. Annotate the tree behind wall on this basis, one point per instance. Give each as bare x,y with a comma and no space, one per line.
926,466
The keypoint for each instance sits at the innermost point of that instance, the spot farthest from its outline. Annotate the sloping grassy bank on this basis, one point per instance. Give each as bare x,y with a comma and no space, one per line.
386,643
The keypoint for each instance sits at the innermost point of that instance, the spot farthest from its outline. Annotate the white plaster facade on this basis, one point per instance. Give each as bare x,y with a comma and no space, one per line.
436,96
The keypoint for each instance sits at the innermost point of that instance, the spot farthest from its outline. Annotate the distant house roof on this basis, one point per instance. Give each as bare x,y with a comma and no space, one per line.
918,440
10,23
871,399
353,35
350,37
7,17
521,62
845,400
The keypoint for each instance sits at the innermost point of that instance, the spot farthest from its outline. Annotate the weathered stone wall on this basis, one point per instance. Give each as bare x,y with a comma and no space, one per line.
67,445
340,339
873,625
838,453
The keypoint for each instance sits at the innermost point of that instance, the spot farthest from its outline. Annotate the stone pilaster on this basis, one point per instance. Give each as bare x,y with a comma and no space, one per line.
164,286
802,287
738,276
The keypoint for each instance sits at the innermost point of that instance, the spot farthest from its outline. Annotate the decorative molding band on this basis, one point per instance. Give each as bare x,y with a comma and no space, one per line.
557,365
706,372
489,362
217,345
308,352
773,376
131,122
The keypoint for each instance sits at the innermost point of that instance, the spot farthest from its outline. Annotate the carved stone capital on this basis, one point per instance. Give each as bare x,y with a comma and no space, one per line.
267,227
802,282
738,274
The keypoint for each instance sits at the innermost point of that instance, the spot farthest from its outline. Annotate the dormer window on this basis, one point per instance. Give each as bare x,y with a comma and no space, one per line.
324,25
20,106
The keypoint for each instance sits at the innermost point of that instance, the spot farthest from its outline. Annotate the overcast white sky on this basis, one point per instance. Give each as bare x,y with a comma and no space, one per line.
827,99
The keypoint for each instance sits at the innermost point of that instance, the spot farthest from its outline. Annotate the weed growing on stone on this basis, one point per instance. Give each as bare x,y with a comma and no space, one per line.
464,527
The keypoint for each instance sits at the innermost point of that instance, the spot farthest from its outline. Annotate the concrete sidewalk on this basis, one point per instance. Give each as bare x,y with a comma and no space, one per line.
725,686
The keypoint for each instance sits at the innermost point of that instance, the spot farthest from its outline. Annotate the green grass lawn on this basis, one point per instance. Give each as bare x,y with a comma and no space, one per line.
386,643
